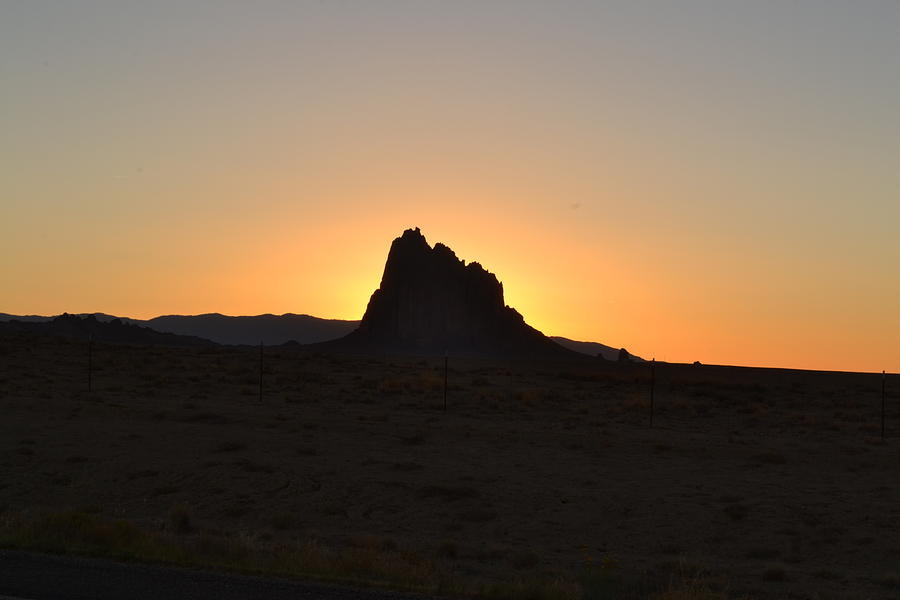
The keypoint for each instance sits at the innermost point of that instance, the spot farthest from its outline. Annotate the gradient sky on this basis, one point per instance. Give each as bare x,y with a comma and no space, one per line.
695,180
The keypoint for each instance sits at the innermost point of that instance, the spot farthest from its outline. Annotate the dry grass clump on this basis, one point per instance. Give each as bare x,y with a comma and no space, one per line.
390,385
531,590
827,574
763,553
737,512
447,549
695,589
418,383
307,451
525,560
670,548
448,493
478,515
164,490
690,581
526,397
283,521
180,519
406,466
229,446
771,457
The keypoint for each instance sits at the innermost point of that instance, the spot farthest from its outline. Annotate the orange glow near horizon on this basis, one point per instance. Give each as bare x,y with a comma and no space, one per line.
561,287
712,183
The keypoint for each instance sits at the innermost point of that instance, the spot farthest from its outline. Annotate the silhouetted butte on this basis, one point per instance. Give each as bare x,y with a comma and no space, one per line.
431,302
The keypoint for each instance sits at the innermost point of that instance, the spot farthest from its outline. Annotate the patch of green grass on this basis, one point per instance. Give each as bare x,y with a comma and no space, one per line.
369,561
73,532
78,533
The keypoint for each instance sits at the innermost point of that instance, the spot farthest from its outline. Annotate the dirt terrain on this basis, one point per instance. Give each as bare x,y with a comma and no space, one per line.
766,483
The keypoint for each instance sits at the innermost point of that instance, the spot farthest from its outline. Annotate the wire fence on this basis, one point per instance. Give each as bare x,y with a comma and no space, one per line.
650,394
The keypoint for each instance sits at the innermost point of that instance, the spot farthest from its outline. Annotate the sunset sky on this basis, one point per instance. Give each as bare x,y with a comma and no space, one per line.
714,181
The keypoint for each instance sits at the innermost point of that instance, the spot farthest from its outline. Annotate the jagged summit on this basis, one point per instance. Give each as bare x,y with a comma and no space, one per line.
431,301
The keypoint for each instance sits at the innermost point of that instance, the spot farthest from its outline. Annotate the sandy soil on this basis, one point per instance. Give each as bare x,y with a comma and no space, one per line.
775,483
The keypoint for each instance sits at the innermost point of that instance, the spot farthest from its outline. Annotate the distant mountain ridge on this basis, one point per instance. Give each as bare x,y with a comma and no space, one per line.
271,330
89,326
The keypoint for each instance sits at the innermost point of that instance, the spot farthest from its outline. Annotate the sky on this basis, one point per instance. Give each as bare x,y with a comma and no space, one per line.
697,180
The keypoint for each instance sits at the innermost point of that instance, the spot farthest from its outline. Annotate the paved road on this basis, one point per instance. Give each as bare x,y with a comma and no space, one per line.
28,576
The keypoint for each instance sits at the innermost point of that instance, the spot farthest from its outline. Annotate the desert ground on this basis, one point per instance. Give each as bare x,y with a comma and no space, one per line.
750,483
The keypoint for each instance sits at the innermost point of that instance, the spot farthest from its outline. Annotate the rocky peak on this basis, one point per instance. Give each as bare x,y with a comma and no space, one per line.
430,300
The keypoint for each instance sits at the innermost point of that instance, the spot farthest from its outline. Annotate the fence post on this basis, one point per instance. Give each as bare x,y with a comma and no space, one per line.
446,357
883,377
90,362
652,387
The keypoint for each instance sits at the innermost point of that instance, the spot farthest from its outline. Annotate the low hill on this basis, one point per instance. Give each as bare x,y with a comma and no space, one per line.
115,330
592,348
269,329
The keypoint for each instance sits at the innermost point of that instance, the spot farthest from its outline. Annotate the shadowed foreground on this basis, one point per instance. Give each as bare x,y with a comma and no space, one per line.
40,577
540,476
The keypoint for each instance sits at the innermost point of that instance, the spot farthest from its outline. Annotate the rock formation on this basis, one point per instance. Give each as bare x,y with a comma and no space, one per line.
429,301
